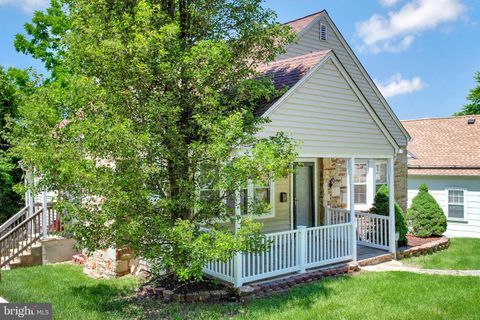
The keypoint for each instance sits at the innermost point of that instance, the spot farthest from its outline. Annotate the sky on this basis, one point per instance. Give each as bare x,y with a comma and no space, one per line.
421,53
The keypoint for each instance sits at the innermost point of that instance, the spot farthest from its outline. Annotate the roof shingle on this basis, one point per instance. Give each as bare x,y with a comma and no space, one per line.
444,146
299,24
287,72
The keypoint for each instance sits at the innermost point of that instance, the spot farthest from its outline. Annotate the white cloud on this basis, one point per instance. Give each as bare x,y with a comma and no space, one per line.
389,3
396,85
27,6
397,30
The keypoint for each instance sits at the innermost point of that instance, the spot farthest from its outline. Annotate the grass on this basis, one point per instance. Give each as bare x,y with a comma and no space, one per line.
390,295
463,254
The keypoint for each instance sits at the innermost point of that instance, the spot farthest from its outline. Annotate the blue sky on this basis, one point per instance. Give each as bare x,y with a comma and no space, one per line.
422,53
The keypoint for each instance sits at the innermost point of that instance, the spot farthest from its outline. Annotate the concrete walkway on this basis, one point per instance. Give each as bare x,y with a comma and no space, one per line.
395,265
3,300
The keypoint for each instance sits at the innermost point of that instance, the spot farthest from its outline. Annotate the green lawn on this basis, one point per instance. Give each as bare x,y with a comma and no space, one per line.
463,254
392,295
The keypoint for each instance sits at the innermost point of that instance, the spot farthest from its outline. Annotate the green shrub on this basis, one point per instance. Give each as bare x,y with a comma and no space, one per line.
381,207
426,216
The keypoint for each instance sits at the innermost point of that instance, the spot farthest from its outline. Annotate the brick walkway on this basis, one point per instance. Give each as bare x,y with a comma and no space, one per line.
399,266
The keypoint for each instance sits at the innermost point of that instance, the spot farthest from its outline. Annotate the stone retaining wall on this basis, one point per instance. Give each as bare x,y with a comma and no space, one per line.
109,263
424,249
248,292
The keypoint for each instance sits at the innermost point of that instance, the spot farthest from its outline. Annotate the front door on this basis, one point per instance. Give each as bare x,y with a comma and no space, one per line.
303,195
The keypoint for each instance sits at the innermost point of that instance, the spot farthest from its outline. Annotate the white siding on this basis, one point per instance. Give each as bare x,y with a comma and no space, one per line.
310,42
437,186
327,117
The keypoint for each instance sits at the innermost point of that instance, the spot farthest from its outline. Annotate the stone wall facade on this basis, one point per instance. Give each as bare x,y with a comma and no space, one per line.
400,180
109,263
333,184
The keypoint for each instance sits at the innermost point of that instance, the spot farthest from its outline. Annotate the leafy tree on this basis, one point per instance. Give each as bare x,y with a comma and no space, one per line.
151,133
381,207
474,98
44,36
12,82
426,216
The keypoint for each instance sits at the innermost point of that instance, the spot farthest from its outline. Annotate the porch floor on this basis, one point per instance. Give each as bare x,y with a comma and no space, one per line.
364,252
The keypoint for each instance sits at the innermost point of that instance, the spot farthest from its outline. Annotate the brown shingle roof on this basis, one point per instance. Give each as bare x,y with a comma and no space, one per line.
444,146
299,24
287,72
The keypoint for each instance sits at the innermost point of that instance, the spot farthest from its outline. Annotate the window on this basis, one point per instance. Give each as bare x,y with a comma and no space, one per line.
456,204
264,195
380,174
360,182
259,193
323,32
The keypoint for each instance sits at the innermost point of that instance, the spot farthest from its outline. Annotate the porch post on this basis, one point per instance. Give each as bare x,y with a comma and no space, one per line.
31,201
44,215
302,247
351,198
391,207
237,260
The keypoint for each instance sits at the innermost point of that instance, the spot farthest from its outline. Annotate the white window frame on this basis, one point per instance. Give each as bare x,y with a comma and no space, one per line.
251,195
371,183
447,209
366,183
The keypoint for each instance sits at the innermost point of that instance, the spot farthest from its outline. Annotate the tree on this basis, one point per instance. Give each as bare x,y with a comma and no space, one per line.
44,36
426,216
381,207
474,98
12,82
151,132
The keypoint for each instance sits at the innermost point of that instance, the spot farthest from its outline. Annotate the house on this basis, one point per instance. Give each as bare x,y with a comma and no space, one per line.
351,143
444,153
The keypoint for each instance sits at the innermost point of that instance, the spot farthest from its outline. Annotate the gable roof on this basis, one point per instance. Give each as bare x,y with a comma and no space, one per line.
444,146
374,98
300,24
288,72
294,71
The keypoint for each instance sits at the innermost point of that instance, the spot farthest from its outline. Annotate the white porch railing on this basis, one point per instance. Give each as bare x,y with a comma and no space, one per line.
336,216
372,230
287,252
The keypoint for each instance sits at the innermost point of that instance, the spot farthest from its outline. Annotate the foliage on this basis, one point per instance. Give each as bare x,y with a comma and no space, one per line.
43,39
381,207
462,254
426,216
151,131
12,82
367,296
474,97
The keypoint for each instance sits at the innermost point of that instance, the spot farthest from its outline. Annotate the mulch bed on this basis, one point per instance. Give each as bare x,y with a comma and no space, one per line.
416,241
170,282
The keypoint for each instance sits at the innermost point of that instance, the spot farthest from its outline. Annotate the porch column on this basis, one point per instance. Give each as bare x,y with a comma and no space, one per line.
237,260
44,215
351,198
391,207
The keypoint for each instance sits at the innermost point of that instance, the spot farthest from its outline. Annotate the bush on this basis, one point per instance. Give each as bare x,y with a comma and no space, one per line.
381,207
426,216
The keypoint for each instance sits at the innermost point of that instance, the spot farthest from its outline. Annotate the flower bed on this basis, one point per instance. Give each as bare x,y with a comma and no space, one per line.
208,290
422,246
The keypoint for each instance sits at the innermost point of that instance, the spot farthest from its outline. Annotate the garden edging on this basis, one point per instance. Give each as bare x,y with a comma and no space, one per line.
427,248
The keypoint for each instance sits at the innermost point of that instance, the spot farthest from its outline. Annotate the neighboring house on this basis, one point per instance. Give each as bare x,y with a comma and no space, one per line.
351,143
444,153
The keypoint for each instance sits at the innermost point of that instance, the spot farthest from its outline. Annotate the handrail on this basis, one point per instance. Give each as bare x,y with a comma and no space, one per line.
34,215
372,215
14,218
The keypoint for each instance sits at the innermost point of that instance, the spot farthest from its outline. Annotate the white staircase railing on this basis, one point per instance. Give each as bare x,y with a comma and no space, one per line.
30,224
